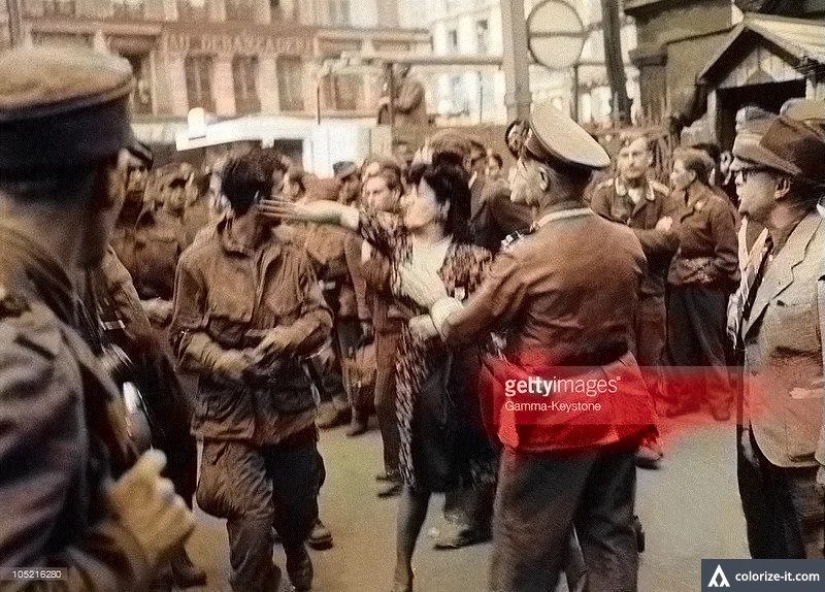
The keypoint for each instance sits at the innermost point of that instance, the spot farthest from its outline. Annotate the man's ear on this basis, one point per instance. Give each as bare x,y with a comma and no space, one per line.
783,187
544,179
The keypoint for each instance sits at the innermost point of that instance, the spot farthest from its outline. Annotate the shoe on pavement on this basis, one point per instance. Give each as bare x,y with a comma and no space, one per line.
390,489
455,536
357,426
649,454
320,538
387,476
299,569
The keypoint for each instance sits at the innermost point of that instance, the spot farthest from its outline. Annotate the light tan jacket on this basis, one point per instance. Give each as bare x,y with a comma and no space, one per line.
783,369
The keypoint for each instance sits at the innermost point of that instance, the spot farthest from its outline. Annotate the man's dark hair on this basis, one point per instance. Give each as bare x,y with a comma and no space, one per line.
711,150
297,177
695,160
248,178
449,183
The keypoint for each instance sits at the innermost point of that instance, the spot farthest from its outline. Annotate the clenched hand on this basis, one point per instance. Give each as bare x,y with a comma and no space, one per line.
147,506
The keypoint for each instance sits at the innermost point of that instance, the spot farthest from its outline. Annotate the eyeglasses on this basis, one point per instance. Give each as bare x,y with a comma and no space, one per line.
745,174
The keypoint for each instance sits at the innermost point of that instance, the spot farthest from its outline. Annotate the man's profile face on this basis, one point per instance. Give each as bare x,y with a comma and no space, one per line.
634,160
378,196
109,194
756,188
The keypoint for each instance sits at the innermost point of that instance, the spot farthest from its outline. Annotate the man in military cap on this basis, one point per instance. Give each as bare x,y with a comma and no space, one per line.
567,293
778,309
644,205
64,123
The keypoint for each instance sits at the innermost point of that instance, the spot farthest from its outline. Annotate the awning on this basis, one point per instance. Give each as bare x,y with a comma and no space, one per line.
801,41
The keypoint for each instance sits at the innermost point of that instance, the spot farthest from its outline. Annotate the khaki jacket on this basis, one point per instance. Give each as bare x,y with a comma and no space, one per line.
227,298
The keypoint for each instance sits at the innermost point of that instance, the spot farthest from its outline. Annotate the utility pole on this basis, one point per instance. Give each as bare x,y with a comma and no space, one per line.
612,29
516,65
15,11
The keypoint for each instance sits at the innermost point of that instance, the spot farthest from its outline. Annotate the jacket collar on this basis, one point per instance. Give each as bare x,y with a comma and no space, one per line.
780,273
23,260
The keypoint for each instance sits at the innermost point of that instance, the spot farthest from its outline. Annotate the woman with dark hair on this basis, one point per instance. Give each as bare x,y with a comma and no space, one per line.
703,273
432,230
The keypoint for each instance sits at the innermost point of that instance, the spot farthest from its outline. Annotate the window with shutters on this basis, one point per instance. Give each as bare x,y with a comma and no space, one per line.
339,13
291,83
245,80
127,9
199,82
193,10
59,8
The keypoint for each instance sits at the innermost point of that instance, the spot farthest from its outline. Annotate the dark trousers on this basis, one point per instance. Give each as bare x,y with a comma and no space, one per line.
697,317
784,511
386,349
648,339
471,506
262,487
347,338
542,498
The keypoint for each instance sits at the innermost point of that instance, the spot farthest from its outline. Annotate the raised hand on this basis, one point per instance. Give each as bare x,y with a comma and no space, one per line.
320,212
422,286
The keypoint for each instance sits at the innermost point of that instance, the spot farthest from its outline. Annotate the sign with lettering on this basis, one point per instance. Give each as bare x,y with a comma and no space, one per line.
236,43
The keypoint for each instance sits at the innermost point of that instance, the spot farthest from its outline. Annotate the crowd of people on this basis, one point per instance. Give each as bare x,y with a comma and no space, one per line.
142,317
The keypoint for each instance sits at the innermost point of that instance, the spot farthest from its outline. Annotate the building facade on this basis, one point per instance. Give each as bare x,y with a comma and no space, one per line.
231,57
474,27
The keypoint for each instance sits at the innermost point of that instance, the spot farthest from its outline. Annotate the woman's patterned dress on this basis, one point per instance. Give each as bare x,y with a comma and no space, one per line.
462,272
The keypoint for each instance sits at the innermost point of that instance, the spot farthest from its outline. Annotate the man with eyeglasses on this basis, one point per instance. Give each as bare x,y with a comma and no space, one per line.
776,314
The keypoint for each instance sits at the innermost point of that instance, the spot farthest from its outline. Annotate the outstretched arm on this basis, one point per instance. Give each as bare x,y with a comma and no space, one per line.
319,212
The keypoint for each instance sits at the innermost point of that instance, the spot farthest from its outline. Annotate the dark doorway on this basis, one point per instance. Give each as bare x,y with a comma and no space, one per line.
769,96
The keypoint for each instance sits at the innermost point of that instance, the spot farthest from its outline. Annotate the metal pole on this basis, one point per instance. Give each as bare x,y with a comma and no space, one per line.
516,70
318,96
15,22
391,74
575,110
480,98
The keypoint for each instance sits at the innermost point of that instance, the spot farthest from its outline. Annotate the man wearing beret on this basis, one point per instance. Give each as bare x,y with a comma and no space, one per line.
778,310
64,124
567,293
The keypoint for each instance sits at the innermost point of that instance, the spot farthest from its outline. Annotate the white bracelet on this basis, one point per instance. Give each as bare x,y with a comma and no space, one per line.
442,309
